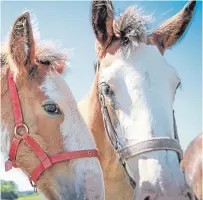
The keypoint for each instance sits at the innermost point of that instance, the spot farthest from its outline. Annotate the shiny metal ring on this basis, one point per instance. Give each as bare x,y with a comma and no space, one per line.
17,128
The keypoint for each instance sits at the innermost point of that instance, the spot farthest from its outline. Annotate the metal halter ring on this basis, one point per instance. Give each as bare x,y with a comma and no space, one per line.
21,126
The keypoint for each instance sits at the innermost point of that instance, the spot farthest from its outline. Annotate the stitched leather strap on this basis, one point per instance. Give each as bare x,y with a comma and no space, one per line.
37,149
63,157
155,144
13,149
15,101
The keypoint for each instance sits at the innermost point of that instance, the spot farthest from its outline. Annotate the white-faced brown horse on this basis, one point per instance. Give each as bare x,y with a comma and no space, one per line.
192,165
42,131
129,108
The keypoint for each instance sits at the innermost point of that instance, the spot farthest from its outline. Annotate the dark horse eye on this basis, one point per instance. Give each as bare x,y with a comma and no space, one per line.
52,109
45,62
108,91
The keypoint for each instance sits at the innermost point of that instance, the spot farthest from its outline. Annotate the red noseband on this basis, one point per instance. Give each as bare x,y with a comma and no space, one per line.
45,160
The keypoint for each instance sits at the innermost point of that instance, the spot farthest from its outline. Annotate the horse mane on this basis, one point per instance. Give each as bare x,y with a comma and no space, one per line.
47,52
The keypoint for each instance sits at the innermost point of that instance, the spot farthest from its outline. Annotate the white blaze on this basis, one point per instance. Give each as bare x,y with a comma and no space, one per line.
76,136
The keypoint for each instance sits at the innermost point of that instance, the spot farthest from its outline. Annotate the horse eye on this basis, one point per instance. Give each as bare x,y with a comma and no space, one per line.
52,109
108,91
125,41
45,62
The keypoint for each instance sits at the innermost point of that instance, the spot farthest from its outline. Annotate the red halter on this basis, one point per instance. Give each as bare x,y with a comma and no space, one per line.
45,160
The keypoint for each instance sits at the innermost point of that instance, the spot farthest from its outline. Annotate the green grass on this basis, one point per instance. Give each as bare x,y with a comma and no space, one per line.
31,197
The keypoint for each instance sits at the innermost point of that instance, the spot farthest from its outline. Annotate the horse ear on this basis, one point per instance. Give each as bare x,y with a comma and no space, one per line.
171,31
21,45
102,21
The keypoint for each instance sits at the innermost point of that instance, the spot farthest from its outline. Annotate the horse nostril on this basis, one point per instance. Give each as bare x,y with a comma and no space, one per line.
191,196
147,198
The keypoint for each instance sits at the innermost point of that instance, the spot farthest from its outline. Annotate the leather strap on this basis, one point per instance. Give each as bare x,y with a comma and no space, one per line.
13,149
154,144
62,157
108,125
15,101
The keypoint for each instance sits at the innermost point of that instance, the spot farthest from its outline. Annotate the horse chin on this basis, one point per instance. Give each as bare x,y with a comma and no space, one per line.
80,179
69,189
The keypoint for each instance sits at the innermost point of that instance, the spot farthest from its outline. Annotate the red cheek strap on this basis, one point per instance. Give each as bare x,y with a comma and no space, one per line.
62,157
45,161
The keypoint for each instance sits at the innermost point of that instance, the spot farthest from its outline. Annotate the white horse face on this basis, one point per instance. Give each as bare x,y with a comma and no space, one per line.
140,103
143,89
139,88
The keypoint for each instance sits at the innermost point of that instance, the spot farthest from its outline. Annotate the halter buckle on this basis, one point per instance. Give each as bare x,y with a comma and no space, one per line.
18,129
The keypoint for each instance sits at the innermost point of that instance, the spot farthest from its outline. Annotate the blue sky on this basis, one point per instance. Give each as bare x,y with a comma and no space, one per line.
69,23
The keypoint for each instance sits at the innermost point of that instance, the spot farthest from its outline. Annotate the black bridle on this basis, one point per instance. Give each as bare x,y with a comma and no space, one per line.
155,144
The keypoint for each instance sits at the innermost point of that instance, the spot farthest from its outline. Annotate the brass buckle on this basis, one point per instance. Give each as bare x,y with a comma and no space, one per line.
17,130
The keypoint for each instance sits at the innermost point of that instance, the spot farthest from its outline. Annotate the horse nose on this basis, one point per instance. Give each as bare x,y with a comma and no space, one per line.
156,196
189,194
150,196
160,194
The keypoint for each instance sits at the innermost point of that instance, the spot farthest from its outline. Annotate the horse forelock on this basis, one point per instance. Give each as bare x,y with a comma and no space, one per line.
46,52
132,23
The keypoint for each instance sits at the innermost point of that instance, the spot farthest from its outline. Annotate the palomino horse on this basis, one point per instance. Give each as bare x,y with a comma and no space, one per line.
192,165
43,132
129,108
